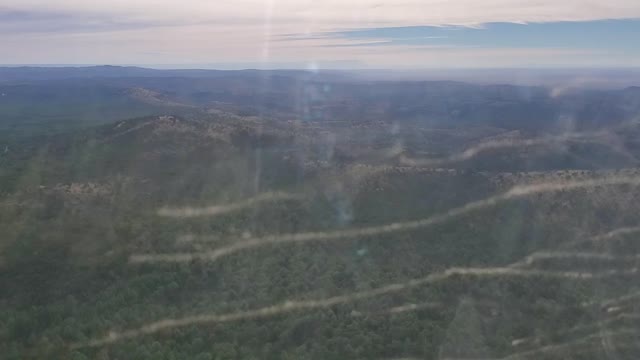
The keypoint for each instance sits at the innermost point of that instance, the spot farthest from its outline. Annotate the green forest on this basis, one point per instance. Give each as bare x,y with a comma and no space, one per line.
77,207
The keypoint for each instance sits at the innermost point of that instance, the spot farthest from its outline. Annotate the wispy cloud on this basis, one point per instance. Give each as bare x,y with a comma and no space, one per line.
338,13
269,30
26,22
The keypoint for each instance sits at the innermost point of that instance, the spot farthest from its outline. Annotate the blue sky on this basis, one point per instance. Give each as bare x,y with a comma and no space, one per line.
605,34
331,33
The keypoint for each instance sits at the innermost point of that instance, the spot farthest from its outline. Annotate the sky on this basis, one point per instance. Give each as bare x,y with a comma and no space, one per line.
312,34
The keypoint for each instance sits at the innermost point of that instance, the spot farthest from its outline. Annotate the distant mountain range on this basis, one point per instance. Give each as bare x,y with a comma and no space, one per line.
603,78
61,97
31,73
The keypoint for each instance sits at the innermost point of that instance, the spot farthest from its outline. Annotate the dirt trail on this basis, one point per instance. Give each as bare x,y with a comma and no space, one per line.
515,192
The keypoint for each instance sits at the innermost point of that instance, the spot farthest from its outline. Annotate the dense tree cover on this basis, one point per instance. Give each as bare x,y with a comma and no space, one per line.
74,207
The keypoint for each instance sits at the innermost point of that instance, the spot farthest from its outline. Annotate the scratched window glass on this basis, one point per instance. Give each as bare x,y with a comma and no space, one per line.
319,180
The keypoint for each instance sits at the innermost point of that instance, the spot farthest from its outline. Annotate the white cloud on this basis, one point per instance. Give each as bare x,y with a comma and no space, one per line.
244,30
345,13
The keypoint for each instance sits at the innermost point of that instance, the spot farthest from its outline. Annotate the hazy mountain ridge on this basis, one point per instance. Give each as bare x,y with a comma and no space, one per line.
84,96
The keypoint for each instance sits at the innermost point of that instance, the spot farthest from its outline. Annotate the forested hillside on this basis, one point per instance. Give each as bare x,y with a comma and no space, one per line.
296,215
219,236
